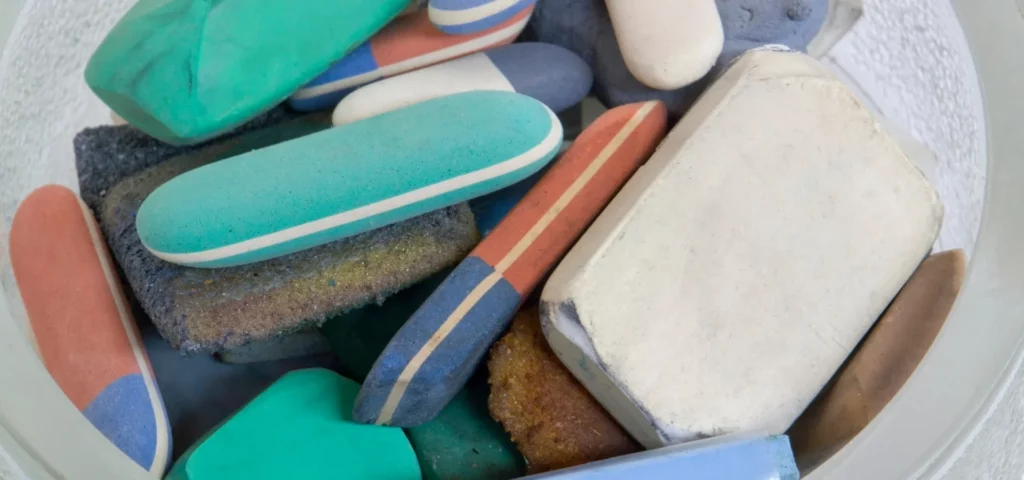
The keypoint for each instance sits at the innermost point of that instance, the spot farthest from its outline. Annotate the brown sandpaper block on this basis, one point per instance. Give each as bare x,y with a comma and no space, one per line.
552,418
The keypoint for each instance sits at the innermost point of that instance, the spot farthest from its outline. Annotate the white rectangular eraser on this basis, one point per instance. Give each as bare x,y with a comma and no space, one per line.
736,271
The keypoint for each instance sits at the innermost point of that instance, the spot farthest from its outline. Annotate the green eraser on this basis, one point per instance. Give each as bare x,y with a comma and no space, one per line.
187,70
300,427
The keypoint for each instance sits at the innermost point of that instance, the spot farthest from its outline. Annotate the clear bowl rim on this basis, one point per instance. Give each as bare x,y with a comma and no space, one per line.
961,381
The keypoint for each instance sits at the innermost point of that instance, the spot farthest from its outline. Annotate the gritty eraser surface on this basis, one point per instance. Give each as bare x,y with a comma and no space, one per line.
734,273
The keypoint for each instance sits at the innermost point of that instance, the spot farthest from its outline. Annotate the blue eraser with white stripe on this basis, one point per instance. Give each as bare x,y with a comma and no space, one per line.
732,457
464,17
441,374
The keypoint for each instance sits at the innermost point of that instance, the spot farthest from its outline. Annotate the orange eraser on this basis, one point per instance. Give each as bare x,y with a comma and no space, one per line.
83,326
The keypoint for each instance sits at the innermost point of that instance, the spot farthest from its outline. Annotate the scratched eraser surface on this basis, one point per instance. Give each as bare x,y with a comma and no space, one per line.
735,272
213,310
724,458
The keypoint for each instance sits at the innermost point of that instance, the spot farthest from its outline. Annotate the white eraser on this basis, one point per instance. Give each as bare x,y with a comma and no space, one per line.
472,73
667,44
735,272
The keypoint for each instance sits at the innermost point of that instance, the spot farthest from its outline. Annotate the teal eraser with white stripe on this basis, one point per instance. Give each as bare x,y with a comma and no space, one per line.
347,180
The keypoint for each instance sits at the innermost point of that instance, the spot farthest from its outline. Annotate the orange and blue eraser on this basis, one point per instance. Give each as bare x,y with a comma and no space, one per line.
82,324
433,355
408,43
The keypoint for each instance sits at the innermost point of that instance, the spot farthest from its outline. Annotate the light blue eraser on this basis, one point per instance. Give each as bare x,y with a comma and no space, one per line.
730,457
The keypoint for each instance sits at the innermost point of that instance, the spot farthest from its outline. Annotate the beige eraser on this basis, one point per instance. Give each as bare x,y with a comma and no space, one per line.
735,272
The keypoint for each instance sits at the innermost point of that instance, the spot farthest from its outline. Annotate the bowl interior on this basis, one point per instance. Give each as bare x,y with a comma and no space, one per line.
907,59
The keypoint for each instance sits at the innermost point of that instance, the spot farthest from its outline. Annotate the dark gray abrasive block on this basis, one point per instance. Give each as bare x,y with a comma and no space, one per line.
213,310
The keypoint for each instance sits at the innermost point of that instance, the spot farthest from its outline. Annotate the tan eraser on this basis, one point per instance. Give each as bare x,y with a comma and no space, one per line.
735,272
882,363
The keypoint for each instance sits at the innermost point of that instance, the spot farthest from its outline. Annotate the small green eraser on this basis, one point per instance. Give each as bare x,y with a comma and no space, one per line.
300,427
463,441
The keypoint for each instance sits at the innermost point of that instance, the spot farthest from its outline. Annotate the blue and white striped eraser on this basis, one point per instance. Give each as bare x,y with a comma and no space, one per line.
464,17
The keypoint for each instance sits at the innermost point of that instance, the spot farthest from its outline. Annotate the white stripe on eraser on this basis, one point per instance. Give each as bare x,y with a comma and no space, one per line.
462,16
466,74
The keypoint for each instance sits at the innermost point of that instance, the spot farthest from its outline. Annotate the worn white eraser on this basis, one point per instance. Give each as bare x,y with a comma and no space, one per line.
733,274
667,44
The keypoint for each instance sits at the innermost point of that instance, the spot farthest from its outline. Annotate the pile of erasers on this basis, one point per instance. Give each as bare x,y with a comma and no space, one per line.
702,285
